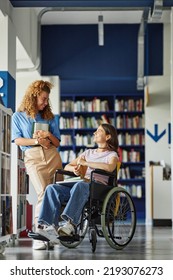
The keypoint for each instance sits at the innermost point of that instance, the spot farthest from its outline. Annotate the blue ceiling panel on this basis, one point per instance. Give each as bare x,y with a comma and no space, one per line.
88,3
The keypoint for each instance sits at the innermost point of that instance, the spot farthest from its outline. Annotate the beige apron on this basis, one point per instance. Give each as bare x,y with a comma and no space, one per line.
41,165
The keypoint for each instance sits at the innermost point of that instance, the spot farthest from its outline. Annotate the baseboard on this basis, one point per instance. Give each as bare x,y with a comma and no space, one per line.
162,222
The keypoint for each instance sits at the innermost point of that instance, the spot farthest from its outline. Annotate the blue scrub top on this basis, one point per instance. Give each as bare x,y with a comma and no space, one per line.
22,127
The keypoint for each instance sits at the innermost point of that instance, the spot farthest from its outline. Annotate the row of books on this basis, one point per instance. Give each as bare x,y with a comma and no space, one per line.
21,212
5,135
20,154
133,190
102,105
5,173
67,155
125,156
79,122
87,140
23,179
66,140
94,105
6,224
84,140
127,173
80,140
129,156
131,139
129,105
130,122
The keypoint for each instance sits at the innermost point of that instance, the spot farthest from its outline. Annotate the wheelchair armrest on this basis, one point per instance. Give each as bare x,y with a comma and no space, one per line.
103,172
65,172
111,176
62,172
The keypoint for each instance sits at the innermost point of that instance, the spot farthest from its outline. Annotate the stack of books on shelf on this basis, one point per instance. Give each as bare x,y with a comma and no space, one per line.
5,174
66,140
129,155
129,105
5,143
130,121
67,105
94,105
131,139
80,122
67,156
6,223
21,212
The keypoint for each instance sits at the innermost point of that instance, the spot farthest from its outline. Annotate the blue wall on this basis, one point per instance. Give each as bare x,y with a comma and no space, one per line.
72,53
8,90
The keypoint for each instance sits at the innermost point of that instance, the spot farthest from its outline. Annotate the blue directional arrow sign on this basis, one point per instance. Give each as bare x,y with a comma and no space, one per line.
156,137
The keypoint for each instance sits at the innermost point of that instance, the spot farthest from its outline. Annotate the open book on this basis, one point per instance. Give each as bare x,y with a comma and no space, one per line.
69,181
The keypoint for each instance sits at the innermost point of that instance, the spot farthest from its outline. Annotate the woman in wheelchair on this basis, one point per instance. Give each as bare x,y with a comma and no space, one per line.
104,157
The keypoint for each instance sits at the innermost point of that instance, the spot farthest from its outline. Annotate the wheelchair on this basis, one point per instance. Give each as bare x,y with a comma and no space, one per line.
109,213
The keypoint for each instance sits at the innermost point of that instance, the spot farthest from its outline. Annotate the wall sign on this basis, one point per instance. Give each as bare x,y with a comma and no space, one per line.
156,136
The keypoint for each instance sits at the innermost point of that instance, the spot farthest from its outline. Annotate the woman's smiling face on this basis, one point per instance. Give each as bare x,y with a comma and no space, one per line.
100,135
42,100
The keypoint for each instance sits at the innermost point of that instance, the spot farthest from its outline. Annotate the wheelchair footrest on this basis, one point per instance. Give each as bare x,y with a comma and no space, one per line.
35,235
71,238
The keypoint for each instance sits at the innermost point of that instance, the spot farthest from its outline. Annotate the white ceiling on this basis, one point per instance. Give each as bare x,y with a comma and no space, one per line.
91,17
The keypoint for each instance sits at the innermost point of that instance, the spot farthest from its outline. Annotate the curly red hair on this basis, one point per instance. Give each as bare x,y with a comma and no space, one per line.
29,102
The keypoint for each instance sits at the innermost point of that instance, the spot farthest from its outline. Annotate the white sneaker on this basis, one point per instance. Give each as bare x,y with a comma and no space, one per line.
67,229
39,245
50,233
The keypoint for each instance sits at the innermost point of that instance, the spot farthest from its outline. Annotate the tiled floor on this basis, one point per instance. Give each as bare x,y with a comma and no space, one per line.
149,243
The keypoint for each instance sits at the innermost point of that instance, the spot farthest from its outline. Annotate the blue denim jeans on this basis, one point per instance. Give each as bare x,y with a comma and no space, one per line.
76,194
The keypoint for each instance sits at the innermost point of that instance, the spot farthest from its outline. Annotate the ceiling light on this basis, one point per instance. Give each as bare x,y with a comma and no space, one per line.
100,31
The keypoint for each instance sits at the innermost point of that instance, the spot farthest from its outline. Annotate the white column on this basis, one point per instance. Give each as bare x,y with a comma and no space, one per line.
171,85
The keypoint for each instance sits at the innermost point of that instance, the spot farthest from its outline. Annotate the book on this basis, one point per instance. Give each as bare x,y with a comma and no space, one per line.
69,181
40,126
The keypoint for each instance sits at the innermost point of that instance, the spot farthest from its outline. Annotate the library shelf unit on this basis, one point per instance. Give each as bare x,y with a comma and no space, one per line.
6,221
81,115
20,189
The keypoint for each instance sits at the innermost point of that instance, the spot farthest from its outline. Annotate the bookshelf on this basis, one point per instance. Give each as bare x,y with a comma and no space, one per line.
6,221
19,191
79,118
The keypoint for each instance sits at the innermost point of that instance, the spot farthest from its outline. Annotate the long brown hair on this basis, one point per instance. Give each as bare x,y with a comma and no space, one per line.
29,102
112,142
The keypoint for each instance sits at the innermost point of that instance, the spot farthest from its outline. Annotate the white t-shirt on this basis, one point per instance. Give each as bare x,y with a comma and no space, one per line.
91,155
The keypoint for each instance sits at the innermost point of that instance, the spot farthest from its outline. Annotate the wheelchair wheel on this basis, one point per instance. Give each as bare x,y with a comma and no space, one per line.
118,218
93,238
74,241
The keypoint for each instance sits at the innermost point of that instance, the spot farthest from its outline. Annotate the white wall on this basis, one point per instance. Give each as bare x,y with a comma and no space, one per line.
26,25
171,103
158,112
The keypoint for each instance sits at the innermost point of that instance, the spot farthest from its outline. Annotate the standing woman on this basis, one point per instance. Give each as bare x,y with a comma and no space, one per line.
40,144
